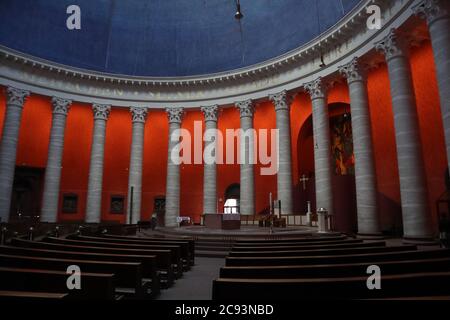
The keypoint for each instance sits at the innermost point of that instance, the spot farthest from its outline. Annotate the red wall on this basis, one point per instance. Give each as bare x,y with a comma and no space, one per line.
35,129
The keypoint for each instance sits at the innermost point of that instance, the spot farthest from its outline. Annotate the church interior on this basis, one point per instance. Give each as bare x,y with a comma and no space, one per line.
224,150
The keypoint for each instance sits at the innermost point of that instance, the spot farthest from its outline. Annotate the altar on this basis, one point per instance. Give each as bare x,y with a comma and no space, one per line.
222,221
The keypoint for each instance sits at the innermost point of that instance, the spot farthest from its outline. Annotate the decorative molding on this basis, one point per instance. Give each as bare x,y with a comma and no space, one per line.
353,71
282,100
210,113
393,45
175,115
138,114
246,108
16,97
348,38
101,111
317,89
61,106
432,10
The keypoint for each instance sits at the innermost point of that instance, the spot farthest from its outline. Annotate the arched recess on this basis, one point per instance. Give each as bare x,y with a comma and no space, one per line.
343,178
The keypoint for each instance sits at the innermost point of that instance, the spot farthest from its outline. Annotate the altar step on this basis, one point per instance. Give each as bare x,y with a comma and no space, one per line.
212,249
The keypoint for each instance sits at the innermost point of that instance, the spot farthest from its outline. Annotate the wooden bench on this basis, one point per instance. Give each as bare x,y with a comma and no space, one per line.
312,247
319,252
157,240
175,252
151,264
336,270
337,259
294,243
128,275
184,246
93,285
406,285
294,239
30,296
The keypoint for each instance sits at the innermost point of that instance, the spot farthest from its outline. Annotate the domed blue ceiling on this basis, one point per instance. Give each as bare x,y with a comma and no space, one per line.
165,38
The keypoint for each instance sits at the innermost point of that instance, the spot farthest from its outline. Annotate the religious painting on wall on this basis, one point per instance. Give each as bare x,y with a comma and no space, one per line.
70,203
342,145
117,204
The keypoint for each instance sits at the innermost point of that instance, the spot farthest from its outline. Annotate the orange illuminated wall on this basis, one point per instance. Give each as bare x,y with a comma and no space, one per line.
36,124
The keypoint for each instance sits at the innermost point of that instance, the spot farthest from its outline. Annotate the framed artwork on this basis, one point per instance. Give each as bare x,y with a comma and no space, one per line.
70,203
117,204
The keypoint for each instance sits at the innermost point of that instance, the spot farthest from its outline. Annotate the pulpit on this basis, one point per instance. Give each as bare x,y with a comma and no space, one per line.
222,221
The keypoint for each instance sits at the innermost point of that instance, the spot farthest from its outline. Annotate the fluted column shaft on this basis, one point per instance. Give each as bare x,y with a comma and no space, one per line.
175,116
8,147
246,141
95,183
413,190
365,177
437,14
50,199
322,147
284,176
209,167
139,116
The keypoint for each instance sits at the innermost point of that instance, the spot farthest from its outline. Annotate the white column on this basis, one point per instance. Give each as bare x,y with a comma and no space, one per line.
209,168
94,196
284,176
50,199
365,177
138,117
437,14
246,147
175,116
413,190
8,147
322,148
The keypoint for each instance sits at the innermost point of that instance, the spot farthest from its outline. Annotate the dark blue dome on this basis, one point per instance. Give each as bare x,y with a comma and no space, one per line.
165,37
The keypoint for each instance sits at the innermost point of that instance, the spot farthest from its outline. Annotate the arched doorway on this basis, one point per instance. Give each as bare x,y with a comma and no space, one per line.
232,198
341,155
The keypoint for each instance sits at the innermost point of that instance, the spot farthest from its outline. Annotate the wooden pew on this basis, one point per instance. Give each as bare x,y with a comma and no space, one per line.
337,259
312,247
319,252
30,296
184,246
151,263
128,275
156,240
175,252
93,285
295,243
406,285
336,270
294,239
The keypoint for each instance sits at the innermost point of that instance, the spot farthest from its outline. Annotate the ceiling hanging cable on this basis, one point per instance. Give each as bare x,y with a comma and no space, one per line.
322,60
238,16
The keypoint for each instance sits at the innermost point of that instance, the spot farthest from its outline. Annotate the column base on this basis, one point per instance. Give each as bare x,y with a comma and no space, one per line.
426,241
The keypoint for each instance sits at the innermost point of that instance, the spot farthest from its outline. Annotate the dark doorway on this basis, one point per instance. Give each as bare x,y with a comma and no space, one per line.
159,208
27,194
232,198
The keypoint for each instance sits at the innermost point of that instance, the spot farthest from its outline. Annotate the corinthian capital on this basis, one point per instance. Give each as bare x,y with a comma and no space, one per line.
138,114
353,71
101,111
175,115
393,45
317,89
432,10
210,113
246,108
16,97
61,106
281,100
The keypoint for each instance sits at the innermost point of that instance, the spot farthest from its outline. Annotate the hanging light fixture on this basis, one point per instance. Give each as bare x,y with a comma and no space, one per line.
238,15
